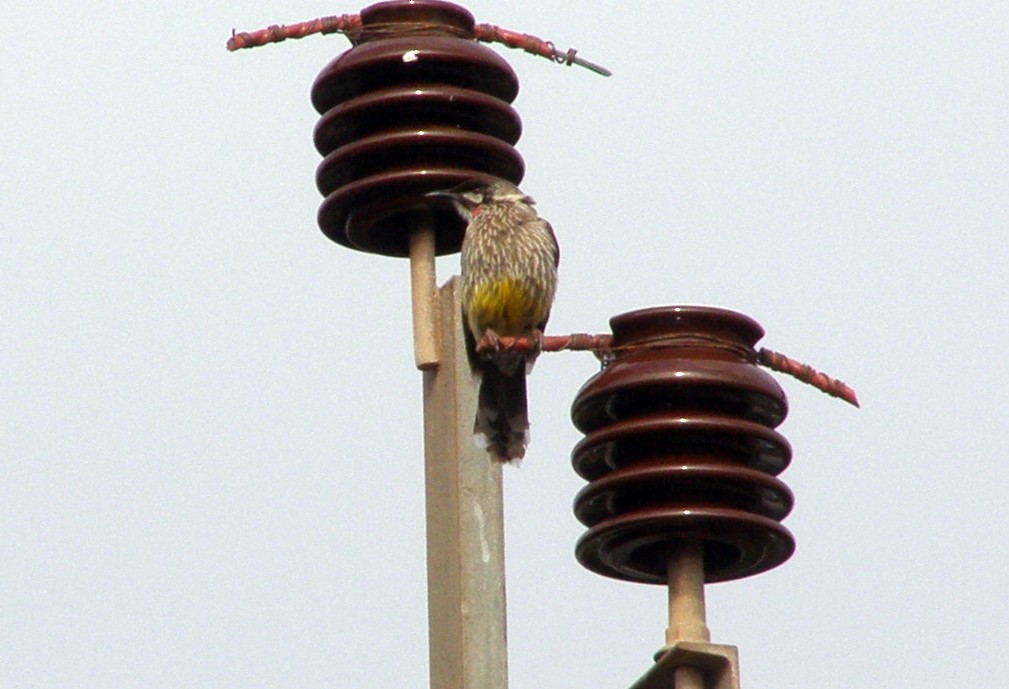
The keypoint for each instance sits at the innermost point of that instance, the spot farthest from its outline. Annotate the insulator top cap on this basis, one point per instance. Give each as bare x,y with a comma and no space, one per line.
425,15
700,352
647,324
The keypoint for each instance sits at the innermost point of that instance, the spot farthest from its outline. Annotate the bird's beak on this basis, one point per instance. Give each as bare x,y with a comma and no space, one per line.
441,194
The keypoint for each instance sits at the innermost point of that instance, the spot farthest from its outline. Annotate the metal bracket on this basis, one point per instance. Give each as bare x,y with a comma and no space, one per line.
718,663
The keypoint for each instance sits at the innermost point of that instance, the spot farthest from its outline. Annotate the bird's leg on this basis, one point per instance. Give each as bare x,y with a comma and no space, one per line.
535,341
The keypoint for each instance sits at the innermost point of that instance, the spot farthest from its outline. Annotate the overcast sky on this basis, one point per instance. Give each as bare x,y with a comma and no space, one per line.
211,467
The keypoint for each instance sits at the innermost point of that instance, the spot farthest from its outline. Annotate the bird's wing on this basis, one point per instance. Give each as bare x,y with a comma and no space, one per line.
557,247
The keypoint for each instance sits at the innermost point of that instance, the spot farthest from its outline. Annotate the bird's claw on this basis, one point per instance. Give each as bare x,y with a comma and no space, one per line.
491,340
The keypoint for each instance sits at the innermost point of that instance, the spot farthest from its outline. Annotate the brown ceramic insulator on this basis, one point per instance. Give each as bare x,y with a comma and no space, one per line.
416,106
680,446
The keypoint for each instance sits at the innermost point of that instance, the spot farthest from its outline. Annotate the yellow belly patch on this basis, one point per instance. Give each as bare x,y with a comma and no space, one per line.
508,306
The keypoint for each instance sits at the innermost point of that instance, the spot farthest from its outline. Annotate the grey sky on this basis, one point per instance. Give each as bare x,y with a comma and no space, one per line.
210,459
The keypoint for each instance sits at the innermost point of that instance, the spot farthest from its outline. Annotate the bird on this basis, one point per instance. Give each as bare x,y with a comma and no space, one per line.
508,280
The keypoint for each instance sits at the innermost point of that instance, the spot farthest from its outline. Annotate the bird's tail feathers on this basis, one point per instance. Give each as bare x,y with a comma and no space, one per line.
502,418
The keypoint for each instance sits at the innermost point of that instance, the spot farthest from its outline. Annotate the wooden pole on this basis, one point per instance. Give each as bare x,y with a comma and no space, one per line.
689,659
423,296
465,528
686,608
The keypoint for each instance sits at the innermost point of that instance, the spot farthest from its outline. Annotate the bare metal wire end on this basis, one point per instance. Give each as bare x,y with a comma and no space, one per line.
569,58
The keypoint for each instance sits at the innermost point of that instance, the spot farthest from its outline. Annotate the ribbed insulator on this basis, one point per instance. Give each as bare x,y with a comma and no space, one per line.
680,446
416,106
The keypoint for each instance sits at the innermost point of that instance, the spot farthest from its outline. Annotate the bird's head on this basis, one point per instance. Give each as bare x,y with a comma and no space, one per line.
469,196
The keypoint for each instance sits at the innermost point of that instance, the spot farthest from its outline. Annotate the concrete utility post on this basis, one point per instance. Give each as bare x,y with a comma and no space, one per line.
465,527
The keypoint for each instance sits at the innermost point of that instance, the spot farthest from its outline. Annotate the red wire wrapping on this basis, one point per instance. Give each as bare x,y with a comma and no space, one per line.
807,374
602,344
343,23
488,33
576,342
